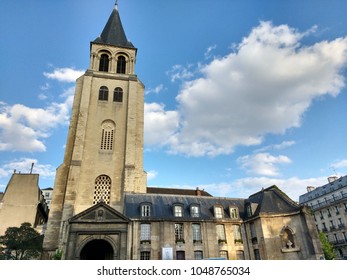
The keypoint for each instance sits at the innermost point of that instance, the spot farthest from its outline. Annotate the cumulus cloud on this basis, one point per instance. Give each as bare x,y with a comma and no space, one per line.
180,72
262,163
68,75
159,124
24,129
281,146
339,164
155,90
264,86
151,174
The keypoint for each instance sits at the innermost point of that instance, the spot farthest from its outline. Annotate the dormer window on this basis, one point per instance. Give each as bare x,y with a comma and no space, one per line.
145,210
218,212
178,210
234,213
194,211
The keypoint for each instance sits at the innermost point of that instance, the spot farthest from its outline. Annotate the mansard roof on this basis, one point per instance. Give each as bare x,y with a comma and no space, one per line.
196,192
162,205
113,33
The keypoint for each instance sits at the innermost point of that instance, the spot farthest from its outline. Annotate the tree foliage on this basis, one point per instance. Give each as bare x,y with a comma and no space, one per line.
328,249
21,243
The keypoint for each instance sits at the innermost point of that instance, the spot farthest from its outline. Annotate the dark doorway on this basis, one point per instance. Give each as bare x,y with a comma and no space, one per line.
97,250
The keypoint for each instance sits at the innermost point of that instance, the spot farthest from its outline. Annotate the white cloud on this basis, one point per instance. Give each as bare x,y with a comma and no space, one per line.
23,165
262,163
68,75
209,50
281,146
23,128
159,124
151,174
155,90
179,72
265,86
339,164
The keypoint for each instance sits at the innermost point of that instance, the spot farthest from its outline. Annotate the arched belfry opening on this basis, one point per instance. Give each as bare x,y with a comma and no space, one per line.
97,250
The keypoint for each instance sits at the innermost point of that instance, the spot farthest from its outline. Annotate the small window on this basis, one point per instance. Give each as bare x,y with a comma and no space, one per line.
118,95
224,254
102,190
218,212
145,255
104,61
240,255
195,211
178,211
121,64
146,210
198,255
103,93
257,254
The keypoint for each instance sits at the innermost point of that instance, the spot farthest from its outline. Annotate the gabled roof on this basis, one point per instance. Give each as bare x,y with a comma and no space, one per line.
272,201
113,33
100,212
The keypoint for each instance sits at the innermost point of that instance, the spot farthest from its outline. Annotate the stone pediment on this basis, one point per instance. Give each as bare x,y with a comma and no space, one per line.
99,213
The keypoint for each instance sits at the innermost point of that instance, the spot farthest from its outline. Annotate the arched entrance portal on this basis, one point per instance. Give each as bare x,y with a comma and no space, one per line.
97,250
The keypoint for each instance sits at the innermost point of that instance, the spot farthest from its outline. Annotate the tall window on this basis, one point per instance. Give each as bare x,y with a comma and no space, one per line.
179,235
257,254
237,233
240,255
118,95
107,135
220,232
196,232
103,93
102,190
104,61
121,64
145,210
145,233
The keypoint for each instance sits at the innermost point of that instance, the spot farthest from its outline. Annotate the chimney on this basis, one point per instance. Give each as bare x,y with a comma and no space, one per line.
310,188
332,179
198,192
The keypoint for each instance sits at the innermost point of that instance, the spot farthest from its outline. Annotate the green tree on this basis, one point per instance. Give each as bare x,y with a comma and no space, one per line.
328,249
21,243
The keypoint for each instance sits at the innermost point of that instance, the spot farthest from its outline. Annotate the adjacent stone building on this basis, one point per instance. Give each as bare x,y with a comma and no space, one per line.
102,209
329,207
23,202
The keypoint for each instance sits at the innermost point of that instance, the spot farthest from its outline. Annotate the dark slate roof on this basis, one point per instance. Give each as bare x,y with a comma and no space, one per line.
162,206
273,201
177,191
113,33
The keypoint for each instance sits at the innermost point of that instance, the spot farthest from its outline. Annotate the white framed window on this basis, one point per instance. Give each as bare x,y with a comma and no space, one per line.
237,233
195,211
218,212
178,211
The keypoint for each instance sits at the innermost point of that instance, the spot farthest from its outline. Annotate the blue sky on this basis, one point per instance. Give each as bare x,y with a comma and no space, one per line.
240,95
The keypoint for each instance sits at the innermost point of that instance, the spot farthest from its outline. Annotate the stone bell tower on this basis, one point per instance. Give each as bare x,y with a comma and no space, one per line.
104,149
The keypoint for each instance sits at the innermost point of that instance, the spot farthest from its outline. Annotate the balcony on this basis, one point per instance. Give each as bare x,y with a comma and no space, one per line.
332,227
339,242
341,226
324,229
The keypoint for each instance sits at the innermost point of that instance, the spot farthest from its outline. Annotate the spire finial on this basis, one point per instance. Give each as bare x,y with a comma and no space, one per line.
116,5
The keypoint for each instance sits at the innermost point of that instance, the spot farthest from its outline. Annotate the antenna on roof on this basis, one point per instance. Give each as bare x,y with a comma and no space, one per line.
32,167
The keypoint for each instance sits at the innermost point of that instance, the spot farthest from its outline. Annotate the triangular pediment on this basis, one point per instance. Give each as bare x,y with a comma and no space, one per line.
99,213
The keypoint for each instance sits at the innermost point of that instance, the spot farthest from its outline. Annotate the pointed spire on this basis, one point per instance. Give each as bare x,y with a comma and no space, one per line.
113,33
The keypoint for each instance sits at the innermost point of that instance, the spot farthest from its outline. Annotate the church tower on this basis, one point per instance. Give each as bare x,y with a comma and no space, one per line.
104,149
